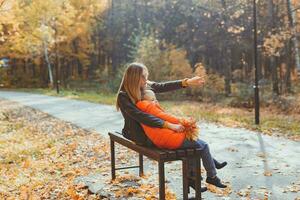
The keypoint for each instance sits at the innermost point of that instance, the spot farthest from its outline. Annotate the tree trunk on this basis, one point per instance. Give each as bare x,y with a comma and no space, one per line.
24,66
275,84
289,64
292,22
77,62
33,65
68,69
48,64
226,52
57,67
43,73
273,59
113,51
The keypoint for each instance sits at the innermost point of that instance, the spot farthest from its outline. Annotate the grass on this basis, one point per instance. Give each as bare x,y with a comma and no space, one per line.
278,123
270,123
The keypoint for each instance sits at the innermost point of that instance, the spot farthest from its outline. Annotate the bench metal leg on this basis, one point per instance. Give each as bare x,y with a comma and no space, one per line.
198,179
161,173
113,160
141,165
185,179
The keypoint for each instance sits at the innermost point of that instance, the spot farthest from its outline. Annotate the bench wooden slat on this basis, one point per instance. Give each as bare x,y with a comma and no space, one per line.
180,153
190,152
171,154
154,154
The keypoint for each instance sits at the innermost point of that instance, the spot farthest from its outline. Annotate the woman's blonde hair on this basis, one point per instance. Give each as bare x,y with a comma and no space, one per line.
131,82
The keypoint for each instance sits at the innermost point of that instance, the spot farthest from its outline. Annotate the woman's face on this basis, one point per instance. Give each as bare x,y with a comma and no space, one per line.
144,78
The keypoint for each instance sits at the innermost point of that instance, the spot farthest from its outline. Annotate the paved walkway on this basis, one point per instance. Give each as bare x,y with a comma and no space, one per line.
259,164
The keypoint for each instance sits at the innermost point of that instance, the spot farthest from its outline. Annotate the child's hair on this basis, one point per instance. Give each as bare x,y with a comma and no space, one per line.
148,95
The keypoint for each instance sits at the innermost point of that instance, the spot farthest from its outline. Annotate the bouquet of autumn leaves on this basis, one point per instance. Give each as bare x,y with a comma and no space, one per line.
191,129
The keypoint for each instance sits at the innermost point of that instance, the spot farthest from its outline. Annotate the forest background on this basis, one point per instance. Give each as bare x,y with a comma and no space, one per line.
84,46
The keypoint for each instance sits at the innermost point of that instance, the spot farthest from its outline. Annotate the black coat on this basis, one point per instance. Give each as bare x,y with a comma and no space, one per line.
134,117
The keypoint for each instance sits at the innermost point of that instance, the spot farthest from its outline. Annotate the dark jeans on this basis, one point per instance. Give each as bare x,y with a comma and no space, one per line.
206,157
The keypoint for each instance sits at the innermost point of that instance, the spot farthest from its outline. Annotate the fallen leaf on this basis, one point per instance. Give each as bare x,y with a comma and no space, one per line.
261,154
72,193
268,173
131,191
232,149
24,192
26,163
244,192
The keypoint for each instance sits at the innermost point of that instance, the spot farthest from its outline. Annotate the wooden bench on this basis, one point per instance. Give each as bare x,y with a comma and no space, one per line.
161,156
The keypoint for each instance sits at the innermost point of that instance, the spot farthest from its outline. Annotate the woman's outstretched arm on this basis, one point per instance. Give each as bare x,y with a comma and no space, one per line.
165,86
175,85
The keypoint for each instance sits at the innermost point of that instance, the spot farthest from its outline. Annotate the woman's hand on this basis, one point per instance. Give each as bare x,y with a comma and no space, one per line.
176,127
196,81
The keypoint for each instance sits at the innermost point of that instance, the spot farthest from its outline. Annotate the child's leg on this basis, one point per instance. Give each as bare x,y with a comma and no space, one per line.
206,157
207,160
219,165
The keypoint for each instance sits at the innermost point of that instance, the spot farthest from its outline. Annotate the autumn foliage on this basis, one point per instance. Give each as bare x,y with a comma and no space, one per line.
85,45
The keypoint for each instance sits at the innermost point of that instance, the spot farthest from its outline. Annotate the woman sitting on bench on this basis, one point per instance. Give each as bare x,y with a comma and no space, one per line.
134,82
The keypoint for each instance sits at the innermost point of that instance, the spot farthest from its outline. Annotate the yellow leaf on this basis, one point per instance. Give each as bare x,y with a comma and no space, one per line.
24,193
268,173
60,165
131,191
72,193
27,163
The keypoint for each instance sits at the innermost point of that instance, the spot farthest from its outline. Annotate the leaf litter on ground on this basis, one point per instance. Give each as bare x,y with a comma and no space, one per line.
41,156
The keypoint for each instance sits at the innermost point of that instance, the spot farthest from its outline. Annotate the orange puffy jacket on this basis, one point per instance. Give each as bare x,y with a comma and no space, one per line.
161,137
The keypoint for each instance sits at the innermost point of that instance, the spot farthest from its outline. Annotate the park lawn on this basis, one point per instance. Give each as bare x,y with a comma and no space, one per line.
272,121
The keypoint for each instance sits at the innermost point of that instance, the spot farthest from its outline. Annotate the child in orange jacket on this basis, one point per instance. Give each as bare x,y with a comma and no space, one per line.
163,137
